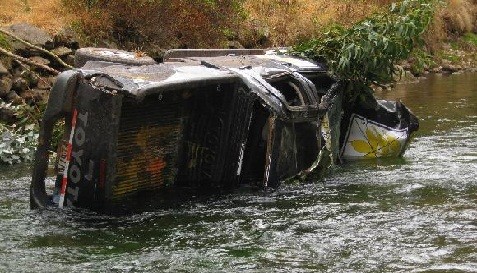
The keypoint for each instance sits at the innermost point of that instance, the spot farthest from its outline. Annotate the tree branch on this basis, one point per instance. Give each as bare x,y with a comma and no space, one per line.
58,59
28,61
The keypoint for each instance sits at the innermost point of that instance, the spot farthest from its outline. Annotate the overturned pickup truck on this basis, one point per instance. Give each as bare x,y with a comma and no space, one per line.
201,119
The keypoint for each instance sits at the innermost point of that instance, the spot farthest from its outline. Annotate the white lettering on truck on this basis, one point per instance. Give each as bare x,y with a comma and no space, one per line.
74,173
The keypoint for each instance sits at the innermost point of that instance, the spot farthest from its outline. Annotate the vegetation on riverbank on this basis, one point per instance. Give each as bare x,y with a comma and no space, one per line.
361,40
18,140
143,24
154,26
368,51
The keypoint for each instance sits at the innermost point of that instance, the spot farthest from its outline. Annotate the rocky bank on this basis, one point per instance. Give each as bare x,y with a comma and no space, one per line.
21,82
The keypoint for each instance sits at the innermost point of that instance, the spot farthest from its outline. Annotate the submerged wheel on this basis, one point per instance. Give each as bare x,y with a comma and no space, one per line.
83,55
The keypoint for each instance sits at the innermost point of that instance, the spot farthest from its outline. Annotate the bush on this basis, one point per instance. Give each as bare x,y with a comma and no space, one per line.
460,16
286,22
157,23
368,51
19,138
17,145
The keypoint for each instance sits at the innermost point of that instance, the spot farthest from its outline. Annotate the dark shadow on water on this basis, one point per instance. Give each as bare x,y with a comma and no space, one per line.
11,172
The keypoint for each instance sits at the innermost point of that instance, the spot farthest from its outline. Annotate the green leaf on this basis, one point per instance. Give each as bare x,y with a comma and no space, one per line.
368,50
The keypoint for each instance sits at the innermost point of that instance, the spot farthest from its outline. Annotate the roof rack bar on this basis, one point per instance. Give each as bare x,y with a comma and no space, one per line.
185,53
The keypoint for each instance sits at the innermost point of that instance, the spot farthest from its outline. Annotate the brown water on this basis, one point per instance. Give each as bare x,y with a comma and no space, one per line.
415,214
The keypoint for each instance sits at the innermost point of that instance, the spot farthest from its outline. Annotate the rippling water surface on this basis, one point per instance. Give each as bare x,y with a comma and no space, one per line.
414,214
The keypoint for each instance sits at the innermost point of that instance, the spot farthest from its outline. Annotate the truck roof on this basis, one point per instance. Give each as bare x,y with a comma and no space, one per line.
193,71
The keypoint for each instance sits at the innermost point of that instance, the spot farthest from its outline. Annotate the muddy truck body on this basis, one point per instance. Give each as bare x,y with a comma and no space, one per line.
201,119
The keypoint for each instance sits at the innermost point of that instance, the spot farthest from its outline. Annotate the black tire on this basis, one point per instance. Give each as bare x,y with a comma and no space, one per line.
86,54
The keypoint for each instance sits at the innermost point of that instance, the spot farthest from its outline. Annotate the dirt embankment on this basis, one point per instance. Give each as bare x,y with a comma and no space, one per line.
151,25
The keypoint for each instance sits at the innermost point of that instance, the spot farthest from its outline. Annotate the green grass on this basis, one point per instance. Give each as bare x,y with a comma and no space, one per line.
450,57
5,42
470,38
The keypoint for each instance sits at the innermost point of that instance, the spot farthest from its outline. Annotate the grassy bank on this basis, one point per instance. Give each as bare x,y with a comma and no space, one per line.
213,23
154,26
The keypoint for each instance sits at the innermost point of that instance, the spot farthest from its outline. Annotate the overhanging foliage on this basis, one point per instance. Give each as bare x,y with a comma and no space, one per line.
367,52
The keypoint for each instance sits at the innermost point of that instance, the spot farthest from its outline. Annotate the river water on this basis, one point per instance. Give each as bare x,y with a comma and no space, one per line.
414,214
